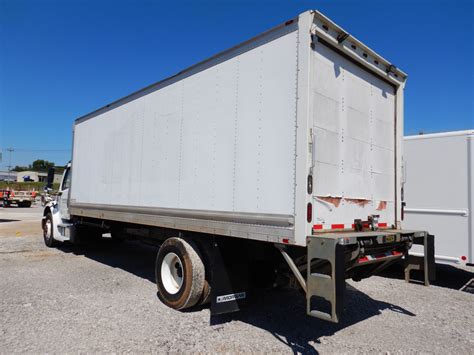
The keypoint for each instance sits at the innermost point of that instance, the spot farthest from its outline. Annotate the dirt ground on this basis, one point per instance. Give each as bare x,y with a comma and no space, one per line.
103,298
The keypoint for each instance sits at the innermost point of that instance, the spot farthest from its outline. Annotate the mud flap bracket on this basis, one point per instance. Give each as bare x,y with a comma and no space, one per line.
325,290
425,263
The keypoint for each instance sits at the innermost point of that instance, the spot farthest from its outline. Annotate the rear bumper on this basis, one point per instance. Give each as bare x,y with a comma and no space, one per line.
381,236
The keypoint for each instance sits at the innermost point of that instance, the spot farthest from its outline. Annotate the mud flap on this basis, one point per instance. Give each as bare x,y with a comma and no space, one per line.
229,278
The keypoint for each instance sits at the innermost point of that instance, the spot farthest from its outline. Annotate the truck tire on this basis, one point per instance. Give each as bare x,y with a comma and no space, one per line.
48,231
206,252
206,294
180,274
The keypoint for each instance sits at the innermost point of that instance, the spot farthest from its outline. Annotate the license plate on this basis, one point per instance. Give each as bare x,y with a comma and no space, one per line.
389,238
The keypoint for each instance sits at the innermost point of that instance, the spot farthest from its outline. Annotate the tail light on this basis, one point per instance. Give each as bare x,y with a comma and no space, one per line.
309,212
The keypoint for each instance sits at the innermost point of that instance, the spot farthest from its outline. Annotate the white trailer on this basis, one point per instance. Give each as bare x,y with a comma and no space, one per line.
291,139
439,191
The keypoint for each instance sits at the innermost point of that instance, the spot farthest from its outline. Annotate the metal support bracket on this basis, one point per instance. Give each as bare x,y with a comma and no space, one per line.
292,266
425,263
325,289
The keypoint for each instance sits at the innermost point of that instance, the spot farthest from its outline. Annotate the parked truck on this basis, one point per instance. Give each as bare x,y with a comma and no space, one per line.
442,199
19,198
277,161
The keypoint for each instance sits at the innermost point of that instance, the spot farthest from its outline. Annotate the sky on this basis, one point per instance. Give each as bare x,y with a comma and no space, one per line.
62,59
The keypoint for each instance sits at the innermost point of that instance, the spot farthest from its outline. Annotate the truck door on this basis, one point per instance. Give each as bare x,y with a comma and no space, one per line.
354,130
64,194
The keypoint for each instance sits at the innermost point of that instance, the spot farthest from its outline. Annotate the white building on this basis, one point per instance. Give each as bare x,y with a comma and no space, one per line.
35,176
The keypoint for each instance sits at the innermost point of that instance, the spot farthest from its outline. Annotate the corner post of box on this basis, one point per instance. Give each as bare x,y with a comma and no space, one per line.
425,263
325,288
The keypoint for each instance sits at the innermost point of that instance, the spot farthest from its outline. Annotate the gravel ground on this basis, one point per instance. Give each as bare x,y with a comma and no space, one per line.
103,298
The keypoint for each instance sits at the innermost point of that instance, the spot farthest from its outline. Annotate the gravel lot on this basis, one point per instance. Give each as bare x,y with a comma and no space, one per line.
103,298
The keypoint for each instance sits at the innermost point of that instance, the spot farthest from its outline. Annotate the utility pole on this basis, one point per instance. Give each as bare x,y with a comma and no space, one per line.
9,150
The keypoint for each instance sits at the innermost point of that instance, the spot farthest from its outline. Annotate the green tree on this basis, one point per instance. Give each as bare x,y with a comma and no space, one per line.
41,165
20,168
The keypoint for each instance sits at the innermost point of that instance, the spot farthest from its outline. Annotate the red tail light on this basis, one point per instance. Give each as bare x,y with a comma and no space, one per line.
309,212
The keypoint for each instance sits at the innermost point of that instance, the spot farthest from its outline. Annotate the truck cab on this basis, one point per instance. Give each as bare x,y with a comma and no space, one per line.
56,223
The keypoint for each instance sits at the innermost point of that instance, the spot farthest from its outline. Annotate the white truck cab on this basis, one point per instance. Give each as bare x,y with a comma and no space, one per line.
56,222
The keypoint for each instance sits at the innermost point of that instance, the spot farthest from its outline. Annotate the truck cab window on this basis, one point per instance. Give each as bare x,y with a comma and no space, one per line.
67,180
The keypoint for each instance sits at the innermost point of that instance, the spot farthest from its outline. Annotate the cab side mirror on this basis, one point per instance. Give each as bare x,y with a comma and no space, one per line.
49,182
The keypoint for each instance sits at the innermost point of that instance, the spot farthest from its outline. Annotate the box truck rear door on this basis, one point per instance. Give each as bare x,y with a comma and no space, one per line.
353,113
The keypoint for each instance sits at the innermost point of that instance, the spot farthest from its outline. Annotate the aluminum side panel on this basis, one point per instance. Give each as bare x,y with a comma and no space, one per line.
268,228
222,139
437,192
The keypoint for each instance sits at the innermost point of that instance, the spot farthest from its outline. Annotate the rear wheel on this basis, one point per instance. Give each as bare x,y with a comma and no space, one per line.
180,274
48,231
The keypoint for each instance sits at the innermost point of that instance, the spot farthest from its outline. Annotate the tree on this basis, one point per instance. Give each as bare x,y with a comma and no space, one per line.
41,165
20,168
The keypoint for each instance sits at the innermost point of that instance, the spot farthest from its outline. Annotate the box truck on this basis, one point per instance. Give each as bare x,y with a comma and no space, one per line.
441,198
277,161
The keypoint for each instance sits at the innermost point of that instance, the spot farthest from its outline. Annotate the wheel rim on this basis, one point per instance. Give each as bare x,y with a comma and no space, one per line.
47,229
172,273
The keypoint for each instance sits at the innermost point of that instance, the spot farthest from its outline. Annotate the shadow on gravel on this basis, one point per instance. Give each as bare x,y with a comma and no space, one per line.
446,275
283,314
133,257
280,312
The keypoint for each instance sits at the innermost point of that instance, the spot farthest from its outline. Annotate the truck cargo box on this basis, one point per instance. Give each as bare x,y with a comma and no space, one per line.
439,191
294,132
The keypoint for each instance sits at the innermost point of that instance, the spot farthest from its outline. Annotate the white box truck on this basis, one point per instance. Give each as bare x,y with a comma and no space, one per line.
285,148
439,191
